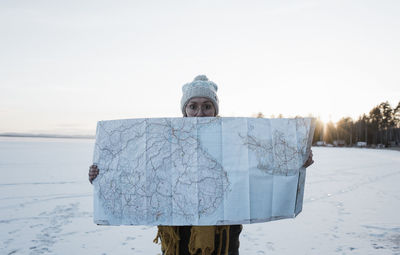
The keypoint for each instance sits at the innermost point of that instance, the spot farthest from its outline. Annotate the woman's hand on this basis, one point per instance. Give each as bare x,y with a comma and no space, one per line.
93,172
309,161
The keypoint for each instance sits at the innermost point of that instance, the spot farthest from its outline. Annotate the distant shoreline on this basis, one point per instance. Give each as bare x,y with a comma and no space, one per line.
395,148
47,136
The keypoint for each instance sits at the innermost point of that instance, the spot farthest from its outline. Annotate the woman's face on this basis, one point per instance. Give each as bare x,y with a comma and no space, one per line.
200,107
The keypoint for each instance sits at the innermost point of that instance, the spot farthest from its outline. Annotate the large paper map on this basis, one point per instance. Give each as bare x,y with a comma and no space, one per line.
200,171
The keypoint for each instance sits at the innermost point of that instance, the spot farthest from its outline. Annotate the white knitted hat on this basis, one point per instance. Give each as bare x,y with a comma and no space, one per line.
200,87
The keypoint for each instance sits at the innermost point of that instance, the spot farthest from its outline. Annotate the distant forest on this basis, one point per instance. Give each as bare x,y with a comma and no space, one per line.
380,127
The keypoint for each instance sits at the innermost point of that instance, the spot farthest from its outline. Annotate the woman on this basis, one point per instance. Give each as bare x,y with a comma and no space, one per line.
199,99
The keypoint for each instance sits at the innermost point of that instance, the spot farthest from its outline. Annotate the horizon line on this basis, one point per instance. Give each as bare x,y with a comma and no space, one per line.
33,135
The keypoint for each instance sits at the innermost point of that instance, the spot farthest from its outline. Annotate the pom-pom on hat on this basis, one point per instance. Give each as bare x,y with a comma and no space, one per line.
200,87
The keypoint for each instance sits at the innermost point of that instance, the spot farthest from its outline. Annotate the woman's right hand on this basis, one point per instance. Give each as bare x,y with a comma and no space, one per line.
93,172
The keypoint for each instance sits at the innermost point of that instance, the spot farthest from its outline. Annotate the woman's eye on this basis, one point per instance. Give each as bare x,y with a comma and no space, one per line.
208,107
192,107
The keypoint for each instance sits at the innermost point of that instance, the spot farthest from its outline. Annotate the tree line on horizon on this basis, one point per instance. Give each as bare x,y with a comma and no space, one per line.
381,126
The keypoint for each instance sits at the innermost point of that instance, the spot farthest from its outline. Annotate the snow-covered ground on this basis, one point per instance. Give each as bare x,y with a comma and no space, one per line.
351,205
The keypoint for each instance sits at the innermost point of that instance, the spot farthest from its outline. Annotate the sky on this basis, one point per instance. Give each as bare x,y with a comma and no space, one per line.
64,65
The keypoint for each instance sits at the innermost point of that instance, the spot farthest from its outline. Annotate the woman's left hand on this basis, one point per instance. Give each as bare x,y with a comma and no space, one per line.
309,161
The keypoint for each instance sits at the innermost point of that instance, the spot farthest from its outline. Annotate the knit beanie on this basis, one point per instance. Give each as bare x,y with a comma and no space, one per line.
200,87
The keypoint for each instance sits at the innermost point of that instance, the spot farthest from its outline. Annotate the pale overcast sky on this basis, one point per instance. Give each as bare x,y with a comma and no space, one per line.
64,65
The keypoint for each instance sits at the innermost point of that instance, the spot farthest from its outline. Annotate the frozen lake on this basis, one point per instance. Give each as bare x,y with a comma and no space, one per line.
351,205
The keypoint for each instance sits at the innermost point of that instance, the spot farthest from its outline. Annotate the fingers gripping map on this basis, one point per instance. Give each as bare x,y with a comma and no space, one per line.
200,171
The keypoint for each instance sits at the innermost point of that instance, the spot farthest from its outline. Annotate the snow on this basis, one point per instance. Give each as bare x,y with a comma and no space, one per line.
351,205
